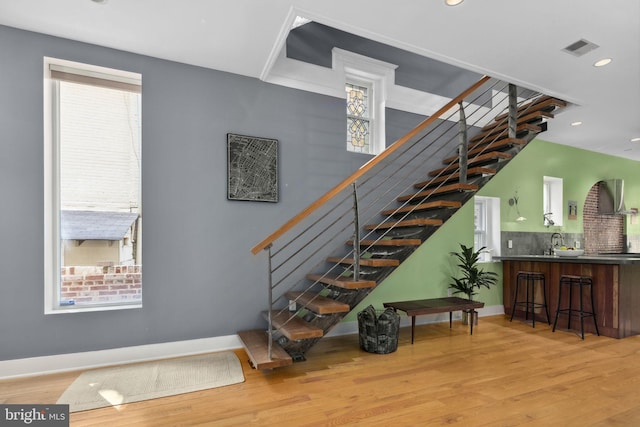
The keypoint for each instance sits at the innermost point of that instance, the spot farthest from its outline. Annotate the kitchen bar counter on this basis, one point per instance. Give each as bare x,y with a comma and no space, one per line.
592,259
616,288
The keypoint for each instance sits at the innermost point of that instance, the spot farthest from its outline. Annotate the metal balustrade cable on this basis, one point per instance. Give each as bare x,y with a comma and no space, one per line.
407,148
400,171
412,172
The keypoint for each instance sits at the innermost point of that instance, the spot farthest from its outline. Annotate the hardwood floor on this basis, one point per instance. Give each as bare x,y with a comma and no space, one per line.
506,374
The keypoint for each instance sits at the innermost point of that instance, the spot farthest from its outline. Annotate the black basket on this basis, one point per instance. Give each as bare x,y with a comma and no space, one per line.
378,330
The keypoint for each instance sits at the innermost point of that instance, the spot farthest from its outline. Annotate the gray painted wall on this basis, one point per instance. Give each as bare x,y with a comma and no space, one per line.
200,278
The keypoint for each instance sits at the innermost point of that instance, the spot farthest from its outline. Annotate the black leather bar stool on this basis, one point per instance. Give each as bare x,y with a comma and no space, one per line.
584,283
531,280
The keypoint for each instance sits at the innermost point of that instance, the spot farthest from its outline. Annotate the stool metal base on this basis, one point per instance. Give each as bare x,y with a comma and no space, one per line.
582,282
531,279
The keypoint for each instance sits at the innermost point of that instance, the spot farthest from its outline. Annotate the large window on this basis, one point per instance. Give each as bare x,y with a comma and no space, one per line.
93,235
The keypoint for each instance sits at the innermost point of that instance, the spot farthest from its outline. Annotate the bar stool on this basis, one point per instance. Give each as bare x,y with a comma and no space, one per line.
582,282
532,280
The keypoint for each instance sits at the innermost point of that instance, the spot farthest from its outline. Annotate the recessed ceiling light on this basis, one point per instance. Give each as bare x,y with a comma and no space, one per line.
100,1
578,123
635,139
602,62
453,2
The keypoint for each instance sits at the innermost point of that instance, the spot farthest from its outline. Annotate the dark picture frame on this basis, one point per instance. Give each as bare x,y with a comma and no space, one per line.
252,168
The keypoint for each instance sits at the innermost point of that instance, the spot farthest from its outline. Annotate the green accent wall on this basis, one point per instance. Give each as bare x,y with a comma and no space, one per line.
426,273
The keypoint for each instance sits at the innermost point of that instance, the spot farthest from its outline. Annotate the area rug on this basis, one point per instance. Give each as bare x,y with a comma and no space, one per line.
143,381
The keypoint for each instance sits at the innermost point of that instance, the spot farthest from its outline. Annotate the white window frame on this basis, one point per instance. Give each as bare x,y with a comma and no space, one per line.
52,247
486,227
552,196
378,77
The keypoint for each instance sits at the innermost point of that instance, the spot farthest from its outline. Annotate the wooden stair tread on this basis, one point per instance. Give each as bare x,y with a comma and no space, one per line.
474,171
293,327
318,303
503,131
436,204
256,344
416,222
529,116
367,262
388,242
442,190
497,145
341,281
511,141
482,158
542,103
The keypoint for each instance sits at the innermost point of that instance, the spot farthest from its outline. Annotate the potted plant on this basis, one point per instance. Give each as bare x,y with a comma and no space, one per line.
472,276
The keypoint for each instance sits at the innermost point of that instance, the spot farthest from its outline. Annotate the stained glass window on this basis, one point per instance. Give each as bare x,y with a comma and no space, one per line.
358,119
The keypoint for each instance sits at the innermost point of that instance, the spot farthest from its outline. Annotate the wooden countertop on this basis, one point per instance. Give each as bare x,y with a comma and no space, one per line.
583,259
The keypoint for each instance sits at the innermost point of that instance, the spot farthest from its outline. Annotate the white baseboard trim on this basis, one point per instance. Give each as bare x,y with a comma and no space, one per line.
117,356
348,328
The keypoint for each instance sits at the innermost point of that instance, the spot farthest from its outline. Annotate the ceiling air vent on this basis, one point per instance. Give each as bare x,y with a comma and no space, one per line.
580,47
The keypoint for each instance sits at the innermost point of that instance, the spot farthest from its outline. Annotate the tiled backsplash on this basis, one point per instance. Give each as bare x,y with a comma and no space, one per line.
526,243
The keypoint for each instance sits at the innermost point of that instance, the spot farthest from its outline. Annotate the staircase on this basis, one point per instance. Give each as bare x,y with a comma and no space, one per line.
324,275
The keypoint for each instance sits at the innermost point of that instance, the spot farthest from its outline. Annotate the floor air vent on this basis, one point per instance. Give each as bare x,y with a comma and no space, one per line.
580,47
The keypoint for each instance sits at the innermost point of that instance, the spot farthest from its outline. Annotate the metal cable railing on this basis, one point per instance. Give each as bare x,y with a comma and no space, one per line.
302,244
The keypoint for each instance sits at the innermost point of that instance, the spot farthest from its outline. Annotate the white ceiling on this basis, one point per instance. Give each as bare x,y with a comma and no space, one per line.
516,40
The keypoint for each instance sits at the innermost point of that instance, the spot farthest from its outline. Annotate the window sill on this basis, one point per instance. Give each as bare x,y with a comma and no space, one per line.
74,309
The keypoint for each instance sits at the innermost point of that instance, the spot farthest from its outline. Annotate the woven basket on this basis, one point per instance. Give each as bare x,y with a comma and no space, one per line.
378,330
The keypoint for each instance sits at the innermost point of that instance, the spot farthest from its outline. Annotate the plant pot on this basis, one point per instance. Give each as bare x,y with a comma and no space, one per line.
467,314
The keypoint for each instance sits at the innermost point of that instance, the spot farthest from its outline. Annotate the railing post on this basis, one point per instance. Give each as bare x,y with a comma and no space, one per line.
513,110
463,148
356,235
270,305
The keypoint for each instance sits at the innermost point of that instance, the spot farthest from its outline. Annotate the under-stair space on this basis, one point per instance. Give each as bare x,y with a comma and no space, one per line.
323,262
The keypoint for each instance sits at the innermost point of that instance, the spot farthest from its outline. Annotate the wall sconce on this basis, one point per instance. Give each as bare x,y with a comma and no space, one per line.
514,202
547,220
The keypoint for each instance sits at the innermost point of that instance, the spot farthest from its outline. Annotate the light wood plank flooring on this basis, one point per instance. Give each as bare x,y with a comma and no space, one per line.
506,374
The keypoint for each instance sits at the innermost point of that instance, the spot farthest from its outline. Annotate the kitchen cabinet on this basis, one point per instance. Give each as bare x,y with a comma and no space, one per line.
616,288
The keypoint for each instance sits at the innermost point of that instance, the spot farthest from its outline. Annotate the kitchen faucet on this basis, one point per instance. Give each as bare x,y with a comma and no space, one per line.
556,240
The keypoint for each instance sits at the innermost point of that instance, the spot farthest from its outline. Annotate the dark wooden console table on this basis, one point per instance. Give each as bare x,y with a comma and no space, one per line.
436,305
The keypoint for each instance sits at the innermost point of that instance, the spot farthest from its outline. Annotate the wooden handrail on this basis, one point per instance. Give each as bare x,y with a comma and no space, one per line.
364,169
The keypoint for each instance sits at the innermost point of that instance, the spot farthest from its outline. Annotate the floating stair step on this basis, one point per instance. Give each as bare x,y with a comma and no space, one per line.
503,131
482,158
508,141
545,103
367,262
452,188
454,177
417,222
256,345
388,242
293,327
436,204
534,116
318,303
343,282
501,144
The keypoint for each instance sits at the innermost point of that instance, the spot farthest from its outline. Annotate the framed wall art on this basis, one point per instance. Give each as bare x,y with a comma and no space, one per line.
252,168
573,209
